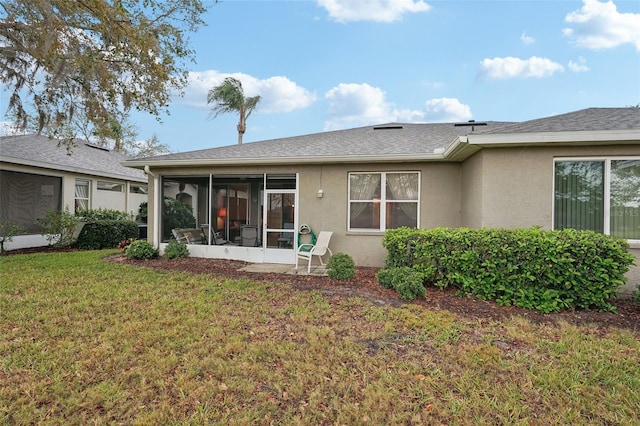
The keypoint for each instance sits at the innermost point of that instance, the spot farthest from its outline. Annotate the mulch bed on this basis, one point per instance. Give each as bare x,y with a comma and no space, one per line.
365,285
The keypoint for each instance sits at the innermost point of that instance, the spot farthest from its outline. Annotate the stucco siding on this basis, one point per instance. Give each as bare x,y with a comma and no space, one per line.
122,201
440,200
517,183
440,204
517,188
471,191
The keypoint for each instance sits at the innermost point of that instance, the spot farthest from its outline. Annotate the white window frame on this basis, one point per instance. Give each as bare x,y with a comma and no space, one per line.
383,199
113,185
144,188
75,193
607,188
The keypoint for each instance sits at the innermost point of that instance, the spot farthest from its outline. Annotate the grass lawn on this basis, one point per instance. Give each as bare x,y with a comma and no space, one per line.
84,341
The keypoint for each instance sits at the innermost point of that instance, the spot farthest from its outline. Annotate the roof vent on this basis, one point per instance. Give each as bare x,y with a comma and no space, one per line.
471,123
101,148
388,127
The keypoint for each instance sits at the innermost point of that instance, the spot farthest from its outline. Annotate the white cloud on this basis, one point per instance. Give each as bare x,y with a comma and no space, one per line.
353,105
580,66
446,110
600,26
279,94
510,67
372,10
527,39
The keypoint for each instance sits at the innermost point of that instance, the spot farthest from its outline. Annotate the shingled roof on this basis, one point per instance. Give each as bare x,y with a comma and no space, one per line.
391,140
411,141
590,119
85,158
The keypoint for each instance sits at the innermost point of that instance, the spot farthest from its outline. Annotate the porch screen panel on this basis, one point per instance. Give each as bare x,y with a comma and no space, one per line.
280,220
579,195
26,197
625,199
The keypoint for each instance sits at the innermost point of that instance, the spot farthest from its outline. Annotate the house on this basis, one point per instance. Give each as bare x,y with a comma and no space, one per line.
580,170
38,175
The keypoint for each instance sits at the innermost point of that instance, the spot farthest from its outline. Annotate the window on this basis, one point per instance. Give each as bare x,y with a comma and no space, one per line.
82,195
110,186
138,189
601,195
381,201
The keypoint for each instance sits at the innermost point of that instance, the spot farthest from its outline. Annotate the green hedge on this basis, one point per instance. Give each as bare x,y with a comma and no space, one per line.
99,234
91,215
531,268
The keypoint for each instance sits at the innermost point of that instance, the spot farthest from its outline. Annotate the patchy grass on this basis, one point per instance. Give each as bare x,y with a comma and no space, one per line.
83,341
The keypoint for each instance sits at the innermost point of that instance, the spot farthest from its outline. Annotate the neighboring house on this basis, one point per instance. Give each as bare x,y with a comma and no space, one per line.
580,169
37,175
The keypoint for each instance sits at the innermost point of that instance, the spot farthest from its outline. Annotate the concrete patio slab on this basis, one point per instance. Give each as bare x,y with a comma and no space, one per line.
277,268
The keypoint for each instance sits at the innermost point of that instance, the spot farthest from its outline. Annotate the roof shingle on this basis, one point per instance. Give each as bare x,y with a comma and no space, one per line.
84,158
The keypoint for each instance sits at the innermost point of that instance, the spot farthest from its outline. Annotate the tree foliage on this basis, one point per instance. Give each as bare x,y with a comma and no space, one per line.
147,148
229,97
101,57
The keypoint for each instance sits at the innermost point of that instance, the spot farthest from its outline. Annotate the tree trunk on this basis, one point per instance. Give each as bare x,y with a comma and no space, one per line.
240,133
242,126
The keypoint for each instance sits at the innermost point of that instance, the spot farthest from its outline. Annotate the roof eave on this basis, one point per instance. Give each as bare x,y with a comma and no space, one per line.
586,137
68,169
257,161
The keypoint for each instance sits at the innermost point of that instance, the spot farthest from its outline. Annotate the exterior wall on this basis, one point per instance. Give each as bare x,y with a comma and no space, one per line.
516,187
517,184
440,201
472,191
133,203
497,187
123,201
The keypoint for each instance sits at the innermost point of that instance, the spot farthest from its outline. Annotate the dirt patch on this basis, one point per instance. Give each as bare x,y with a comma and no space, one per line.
365,285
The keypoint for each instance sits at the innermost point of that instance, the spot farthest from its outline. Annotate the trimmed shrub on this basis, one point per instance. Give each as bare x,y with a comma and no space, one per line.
90,215
530,268
176,250
141,250
341,267
408,282
99,234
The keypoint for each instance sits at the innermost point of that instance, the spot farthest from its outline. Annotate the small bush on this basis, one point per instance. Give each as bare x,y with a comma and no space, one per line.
141,250
59,227
341,267
636,295
408,282
176,250
7,232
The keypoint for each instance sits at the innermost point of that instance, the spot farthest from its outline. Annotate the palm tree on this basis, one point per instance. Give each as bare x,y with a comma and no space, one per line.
229,97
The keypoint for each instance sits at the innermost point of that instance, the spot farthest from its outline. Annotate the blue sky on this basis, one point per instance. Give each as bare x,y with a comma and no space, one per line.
333,64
